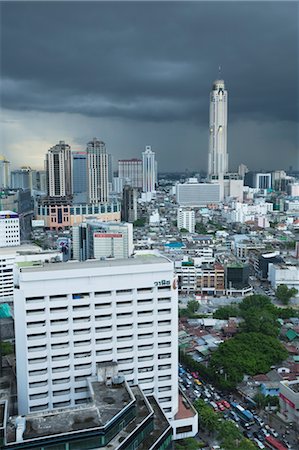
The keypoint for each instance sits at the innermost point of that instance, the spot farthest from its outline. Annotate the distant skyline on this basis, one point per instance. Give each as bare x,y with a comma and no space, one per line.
140,73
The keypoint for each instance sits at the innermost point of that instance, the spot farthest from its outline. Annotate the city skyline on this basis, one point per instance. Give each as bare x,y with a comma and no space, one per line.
132,84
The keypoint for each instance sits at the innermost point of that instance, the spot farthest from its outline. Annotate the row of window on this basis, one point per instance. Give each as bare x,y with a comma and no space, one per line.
106,316
82,295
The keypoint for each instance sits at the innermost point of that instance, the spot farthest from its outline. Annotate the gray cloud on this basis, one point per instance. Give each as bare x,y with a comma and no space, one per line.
152,61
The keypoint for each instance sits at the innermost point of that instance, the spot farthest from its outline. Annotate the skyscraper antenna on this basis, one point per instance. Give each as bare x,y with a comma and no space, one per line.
219,70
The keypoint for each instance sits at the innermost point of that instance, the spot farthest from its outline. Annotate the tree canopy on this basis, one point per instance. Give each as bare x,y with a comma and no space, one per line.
246,353
284,294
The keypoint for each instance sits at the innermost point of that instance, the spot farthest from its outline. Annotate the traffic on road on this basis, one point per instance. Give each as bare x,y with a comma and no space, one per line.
243,415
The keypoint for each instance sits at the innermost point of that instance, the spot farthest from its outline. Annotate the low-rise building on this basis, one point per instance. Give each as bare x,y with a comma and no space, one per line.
289,400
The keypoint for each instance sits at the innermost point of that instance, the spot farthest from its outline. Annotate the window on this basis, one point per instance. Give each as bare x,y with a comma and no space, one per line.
106,351
145,336
61,381
144,290
102,294
102,305
164,377
164,388
123,291
60,369
124,338
104,329
145,369
145,347
82,377
80,389
124,327
164,333
164,367
62,392
124,315
164,344
58,334
145,358
104,317
60,357
125,349
59,322
82,366
58,310
125,360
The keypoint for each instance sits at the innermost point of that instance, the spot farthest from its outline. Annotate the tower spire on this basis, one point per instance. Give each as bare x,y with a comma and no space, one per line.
219,71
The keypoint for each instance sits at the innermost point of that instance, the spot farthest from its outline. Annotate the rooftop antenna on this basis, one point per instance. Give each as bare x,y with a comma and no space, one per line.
219,71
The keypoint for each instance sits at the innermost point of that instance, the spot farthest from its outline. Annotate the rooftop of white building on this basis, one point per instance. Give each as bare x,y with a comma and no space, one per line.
141,259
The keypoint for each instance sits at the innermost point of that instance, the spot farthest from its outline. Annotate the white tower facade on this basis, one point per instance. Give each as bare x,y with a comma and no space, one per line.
59,164
97,171
71,316
149,168
218,156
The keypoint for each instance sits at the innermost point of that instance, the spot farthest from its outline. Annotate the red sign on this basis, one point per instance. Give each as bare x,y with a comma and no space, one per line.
107,235
292,405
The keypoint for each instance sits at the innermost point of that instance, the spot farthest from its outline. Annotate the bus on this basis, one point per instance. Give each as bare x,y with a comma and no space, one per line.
245,415
274,444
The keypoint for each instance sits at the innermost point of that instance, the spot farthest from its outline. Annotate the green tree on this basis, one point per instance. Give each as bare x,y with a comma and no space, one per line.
184,230
246,353
284,294
139,222
6,348
208,419
192,306
260,400
225,312
186,444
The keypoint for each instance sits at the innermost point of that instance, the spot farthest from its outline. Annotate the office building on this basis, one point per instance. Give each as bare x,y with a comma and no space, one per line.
97,240
69,317
9,229
59,170
21,179
115,416
218,156
4,172
263,181
131,171
129,204
195,194
186,219
97,172
79,161
149,173
57,216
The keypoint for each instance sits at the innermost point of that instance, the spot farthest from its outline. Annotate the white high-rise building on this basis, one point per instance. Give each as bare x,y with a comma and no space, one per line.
131,171
9,229
59,170
186,219
71,316
218,156
4,172
149,167
195,194
97,171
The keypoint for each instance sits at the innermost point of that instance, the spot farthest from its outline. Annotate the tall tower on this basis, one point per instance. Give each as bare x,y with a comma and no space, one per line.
149,169
218,156
59,170
97,171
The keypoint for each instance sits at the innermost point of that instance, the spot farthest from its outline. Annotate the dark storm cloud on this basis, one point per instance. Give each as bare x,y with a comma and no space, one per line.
150,61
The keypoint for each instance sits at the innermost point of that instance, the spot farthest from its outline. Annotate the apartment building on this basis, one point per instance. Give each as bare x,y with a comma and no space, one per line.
9,229
71,316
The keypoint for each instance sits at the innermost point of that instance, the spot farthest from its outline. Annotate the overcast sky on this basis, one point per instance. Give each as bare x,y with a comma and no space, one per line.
140,73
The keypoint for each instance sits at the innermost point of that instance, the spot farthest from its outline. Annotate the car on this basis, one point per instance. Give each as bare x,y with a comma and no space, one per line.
194,374
225,404
199,383
273,432
220,406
